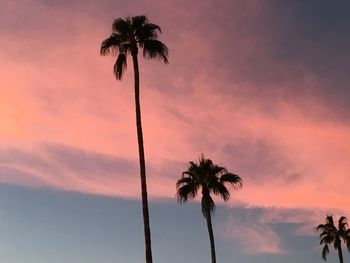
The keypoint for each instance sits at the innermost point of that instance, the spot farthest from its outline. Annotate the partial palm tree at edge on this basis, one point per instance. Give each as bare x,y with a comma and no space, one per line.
332,235
211,179
128,35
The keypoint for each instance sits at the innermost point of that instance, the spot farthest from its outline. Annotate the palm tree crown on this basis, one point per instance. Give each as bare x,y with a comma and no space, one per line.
211,178
332,235
127,36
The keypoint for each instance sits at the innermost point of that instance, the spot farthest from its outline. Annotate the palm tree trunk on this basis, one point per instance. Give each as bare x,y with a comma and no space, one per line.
147,230
211,238
340,254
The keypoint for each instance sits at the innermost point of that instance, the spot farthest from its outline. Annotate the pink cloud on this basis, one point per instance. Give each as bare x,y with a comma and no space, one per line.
284,143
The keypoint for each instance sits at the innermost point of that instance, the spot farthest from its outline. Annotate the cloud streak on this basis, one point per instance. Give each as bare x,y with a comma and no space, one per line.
253,236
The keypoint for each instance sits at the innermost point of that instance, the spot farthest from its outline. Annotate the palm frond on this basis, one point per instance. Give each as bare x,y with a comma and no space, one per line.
347,242
183,181
152,27
327,240
190,174
329,220
321,227
147,32
347,232
121,26
205,164
337,243
192,170
110,45
324,233
138,21
185,192
345,235
192,164
342,224
233,179
155,49
120,66
187,187
216,169
325,252
220,189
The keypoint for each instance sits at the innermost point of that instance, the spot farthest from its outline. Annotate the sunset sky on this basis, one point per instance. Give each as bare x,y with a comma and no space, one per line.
258,86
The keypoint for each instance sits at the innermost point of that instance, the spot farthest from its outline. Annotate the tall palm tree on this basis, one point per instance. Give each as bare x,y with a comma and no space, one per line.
211,179
128,36
332,235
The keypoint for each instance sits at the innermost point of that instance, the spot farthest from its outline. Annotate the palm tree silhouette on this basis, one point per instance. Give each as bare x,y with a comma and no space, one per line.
332,235
211,179
128,35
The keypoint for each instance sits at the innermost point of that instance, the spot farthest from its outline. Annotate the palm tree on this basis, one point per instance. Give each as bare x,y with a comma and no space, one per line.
128,36
333,235
211,179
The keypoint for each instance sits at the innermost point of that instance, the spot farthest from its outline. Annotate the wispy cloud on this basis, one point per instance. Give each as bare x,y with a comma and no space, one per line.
268,230
69,168
253,236
75,169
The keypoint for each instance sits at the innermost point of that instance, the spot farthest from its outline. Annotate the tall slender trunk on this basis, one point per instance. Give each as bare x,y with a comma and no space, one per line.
340,254
147,230
211,237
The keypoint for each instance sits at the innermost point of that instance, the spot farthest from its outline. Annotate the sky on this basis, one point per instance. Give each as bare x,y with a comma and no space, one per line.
260,87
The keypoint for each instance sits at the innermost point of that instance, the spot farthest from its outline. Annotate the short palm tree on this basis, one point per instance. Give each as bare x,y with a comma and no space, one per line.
332,235
211,179
128,36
